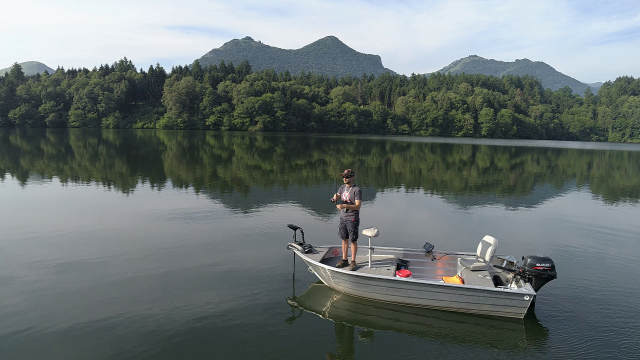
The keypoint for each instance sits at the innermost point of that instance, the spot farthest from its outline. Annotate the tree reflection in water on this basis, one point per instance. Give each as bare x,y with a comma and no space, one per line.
228,163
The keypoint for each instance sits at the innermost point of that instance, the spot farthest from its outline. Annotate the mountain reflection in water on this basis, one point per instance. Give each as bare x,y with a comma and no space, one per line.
349,312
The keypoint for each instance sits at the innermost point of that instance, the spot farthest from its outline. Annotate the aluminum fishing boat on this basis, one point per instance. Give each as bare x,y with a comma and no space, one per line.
479,283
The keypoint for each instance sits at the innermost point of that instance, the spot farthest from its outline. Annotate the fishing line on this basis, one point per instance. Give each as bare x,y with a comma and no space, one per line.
335,177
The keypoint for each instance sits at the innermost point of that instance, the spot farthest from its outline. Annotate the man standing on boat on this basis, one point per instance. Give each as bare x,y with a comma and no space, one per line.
351,197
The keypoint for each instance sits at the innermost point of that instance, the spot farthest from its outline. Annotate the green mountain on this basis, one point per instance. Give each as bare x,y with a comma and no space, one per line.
595,86
327,56
548,76
30,68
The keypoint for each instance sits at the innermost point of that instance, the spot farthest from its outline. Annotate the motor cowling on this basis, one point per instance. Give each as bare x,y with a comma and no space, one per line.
537,270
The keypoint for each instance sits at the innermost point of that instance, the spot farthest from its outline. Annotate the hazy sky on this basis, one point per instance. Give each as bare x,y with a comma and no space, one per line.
588,40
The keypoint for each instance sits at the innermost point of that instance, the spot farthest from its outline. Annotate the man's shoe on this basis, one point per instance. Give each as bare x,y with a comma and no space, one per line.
352,267
343,263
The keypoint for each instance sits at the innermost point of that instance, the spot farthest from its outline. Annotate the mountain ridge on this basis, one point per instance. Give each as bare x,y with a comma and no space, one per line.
326,56
548,76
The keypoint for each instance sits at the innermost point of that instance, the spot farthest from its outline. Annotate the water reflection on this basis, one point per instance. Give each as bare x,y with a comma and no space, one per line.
271,168
447,328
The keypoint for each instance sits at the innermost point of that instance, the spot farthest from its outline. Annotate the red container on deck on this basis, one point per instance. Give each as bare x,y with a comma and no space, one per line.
403,273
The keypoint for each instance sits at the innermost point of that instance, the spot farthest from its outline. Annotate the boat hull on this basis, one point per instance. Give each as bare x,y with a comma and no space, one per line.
425,293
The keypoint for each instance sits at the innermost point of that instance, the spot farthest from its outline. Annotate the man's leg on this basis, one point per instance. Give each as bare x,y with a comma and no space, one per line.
343,232
353,236
354,250
344,262
345,248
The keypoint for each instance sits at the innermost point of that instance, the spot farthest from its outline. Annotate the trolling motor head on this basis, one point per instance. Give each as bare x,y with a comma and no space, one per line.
295,228
301,246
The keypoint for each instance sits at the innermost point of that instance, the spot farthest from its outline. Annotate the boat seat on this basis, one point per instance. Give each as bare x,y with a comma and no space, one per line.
371,232
477,278
481,262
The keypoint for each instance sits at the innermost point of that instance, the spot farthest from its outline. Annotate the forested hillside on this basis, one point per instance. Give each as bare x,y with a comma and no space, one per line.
327,56
549,77
229,97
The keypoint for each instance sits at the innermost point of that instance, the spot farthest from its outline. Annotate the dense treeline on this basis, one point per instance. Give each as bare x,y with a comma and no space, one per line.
219,163
229,97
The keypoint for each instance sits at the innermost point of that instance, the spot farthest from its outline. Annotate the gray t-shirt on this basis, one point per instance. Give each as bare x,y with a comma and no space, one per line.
349,195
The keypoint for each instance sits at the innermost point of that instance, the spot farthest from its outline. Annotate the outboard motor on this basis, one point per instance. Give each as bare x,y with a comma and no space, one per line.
537,270
533,269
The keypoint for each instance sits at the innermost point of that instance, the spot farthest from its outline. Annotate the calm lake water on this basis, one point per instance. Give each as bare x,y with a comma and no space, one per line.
172,245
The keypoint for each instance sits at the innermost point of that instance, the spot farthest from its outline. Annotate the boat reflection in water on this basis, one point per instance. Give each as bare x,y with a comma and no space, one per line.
446,327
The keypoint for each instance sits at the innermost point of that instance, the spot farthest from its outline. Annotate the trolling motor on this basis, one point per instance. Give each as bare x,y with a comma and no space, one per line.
535,270
301,246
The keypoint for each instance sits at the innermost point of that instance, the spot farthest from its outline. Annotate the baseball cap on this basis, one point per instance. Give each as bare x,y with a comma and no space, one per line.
348,173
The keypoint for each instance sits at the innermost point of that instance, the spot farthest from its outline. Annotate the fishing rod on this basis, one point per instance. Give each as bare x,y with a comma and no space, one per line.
335,179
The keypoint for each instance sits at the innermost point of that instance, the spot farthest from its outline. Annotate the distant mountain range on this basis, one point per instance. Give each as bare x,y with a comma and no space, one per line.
327,56
330,56
30,68
548,76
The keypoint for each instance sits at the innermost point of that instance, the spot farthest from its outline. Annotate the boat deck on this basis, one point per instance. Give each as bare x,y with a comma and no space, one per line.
422,268
384,265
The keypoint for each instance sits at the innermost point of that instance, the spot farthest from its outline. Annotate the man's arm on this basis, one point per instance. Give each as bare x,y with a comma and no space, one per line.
356,206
